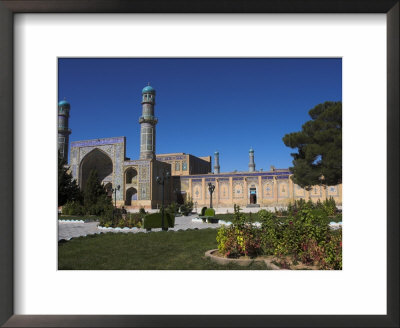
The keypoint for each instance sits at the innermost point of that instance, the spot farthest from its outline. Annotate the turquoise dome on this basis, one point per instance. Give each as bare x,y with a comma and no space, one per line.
148,89
216,153
251,150
63,103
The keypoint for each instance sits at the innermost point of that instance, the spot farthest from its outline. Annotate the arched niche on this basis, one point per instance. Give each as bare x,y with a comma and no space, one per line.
130,174
95,160
130,194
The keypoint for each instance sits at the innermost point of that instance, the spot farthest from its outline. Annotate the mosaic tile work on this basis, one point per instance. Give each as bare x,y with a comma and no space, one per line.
268,189
197,190
299,192
184,184
333,191
113,147
238,189
169,158
316,191
144,191
241,175
97,142
283,189
224,190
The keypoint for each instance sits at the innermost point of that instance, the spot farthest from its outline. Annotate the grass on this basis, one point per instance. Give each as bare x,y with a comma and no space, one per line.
180,250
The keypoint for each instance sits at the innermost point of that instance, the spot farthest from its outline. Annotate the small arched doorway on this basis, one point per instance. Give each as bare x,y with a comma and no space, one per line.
130,175
253,196
131,194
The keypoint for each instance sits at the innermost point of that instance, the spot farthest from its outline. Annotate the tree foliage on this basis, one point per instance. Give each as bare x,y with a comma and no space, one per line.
95,196
319,146
68,189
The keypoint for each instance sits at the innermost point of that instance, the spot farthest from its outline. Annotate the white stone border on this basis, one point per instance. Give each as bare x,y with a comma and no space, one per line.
71,221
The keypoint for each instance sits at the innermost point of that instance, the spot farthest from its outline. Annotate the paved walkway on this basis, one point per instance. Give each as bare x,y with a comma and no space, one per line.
68,230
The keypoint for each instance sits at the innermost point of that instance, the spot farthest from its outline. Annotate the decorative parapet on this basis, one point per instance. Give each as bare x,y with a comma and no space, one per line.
97,142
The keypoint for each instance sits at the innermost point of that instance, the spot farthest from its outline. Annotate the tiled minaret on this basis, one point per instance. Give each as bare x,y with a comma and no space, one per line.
148,124
252,165
63,130
216,162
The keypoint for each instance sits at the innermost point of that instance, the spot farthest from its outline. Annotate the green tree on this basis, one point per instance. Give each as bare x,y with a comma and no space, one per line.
319,145
68,189
95,196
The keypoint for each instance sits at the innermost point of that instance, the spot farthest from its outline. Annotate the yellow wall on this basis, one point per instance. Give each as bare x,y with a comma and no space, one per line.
270,192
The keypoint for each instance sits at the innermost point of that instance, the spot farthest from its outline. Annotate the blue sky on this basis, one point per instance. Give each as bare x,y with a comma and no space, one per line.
202,105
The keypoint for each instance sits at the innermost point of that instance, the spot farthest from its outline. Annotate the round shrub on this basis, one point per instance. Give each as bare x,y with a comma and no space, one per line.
209,212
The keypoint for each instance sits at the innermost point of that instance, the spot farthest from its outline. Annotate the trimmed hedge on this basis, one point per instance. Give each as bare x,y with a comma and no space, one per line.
209,212
154,220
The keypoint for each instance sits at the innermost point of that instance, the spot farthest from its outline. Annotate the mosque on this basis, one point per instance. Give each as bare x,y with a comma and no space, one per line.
145,181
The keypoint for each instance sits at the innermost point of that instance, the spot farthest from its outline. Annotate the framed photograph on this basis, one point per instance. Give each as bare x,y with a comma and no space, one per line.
37,38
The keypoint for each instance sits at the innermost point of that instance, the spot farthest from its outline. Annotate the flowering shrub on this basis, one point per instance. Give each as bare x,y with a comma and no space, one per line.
304,236
239,240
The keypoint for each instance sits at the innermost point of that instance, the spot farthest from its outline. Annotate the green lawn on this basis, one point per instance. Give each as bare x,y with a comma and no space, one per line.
181,250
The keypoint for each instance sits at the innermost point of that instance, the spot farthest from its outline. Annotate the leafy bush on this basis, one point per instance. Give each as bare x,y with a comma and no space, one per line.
73,208
142,210
187,207
235,242
172,209
304,236
154,220
328,206
209,212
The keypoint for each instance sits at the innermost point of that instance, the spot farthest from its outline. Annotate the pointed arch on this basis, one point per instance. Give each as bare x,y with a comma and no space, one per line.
131,194
130,174
95,160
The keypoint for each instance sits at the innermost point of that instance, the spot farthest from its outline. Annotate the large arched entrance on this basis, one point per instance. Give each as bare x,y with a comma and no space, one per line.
131,194
95,160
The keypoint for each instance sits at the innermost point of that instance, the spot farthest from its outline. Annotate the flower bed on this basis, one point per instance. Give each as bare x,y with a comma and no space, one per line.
305,237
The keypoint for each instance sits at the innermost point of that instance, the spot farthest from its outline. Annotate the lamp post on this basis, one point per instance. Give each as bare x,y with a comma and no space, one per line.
114,190
211,188
161,180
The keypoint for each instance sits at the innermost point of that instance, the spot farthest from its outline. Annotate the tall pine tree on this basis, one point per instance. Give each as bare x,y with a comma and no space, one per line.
95,196
319,146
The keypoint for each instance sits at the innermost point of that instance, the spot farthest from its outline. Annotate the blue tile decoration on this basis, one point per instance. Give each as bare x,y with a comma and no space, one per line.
170,158
98,142
236,175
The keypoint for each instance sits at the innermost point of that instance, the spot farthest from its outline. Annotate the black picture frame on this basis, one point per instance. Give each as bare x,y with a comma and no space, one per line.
10,7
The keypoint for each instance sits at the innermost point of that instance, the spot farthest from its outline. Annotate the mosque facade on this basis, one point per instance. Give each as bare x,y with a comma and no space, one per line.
175,177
